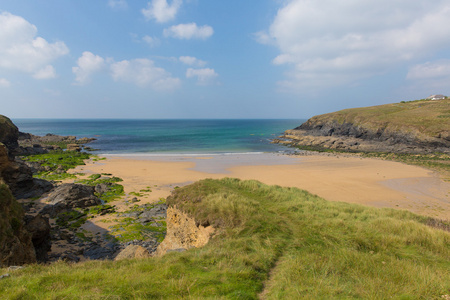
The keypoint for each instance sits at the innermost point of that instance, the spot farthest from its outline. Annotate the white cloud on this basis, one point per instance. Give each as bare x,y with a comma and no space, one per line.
162,11
192,61
118,4
430,70
151,41
189,31
88,64
144,73
4,83
21,50
46,72
204,76
330,42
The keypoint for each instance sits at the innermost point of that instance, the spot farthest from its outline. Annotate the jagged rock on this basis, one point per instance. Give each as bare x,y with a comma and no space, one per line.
39,228
19,177
183,232
68,196
133,251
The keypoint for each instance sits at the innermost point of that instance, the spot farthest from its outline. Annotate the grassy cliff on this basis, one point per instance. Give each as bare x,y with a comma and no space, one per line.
270,242
429,118
418,127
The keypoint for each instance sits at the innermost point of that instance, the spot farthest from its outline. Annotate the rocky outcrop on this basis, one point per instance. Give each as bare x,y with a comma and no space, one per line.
399,128
16,247
34,144
68,196
183,233
9,133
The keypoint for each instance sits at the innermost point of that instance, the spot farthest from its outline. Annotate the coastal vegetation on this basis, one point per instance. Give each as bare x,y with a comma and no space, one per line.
270,242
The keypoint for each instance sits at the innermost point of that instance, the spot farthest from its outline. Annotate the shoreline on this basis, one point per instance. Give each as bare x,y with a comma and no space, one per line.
365,181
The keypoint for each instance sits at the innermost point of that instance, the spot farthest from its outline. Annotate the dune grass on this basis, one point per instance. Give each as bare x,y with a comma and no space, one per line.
271,242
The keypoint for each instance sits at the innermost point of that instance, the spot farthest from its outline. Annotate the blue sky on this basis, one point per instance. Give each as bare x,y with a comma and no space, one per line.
218,59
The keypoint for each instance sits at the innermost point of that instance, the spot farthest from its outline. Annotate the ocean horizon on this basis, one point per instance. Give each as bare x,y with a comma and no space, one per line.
168,136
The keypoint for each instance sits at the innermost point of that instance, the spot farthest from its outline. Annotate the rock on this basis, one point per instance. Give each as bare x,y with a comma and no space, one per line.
73,147
183,232
133,251
69,257
9,133
19,177
96,251
102,188
16,247
68,196
39,228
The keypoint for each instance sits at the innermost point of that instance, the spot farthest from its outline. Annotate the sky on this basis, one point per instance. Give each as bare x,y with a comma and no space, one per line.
193,59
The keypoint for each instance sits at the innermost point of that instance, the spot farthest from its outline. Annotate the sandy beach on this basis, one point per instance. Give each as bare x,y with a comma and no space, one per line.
364,181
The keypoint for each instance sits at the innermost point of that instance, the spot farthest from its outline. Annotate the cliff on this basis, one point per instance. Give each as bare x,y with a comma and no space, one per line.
16,247
421,126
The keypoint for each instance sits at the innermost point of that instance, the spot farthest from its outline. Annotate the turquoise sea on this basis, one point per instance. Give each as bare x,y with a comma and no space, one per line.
168,136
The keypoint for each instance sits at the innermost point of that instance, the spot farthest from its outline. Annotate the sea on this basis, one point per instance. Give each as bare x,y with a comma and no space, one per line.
168,137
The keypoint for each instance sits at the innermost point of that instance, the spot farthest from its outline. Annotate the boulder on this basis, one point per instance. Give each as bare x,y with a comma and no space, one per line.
133,251
68,196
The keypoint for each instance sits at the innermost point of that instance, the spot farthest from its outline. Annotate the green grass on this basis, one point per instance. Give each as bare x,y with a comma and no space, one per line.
58,162
283,242
129,229
115,191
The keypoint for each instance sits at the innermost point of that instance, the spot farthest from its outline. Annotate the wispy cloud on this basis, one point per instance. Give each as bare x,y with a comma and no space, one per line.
4,83
144,73
204,76
118,4
151,41
189,31
192,61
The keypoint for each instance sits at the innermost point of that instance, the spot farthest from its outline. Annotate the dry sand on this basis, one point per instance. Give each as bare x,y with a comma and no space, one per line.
364,181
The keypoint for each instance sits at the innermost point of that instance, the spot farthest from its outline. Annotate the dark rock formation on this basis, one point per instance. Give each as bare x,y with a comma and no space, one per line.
39,228
68,196
34,144
9,133
16,247
19,178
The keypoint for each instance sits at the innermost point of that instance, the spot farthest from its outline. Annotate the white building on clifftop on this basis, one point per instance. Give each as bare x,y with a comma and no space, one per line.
436,97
